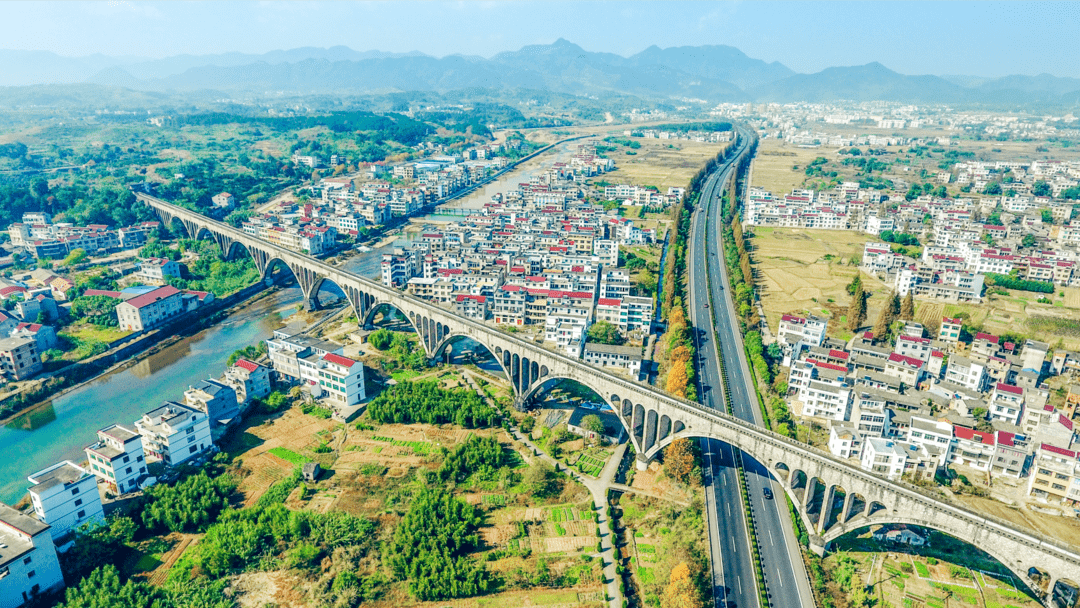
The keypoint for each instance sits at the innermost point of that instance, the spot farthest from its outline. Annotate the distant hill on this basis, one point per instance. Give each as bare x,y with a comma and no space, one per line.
714,73
869,82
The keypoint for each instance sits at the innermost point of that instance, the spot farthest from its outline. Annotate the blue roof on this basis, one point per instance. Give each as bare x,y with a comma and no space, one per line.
138,290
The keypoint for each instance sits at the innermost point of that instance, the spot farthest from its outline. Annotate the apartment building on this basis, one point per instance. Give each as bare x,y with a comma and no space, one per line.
1055,475
117,459
215,399
157,271
341,380
19,359
622,357
29,566
174,433
65,496
248,379
151,309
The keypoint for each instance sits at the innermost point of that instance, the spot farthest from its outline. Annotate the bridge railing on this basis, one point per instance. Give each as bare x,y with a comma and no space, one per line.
690,408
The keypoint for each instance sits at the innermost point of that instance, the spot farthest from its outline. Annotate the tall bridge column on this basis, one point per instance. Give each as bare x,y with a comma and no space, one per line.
641,462
826,508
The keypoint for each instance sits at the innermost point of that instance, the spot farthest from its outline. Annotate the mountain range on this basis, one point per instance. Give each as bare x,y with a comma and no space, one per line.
712,73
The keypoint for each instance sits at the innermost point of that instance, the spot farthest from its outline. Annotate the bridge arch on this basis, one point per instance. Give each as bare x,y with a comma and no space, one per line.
450,339
317,286
1007,560
369,317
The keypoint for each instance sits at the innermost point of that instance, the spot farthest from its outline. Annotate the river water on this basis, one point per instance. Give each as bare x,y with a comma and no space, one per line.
61,429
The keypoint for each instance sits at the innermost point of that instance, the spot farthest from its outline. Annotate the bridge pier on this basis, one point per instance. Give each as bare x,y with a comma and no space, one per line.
826,508
845,512
311,303
818,545
641,462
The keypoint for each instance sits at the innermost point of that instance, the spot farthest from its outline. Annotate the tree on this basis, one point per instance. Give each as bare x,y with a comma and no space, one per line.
677,380
855,283
679,460
381,338
886,317
541,480
1047,216
681,591
857,311
605,332
907,309
1041,188
593,424
1028,241
76,256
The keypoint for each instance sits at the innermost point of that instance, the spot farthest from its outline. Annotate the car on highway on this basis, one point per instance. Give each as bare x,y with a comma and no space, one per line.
706,305
768,493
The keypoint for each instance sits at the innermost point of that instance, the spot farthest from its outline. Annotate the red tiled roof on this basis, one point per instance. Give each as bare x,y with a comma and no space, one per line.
839,354
909,361
150,297
464,296
962,432
250,366
1065,421
1056,450
989,337
1008,388
609,302
339,360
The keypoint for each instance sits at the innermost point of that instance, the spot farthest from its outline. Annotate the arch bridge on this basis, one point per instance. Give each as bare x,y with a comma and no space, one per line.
831,496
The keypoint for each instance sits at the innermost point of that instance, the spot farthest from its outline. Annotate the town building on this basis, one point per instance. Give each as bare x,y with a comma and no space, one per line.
29,566
65,496
217,401
248,379
117,459
19,358
174,433
151,309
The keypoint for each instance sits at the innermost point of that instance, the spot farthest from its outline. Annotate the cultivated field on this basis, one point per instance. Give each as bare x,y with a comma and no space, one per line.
662,163
1016,313
772,167
806,271
947,573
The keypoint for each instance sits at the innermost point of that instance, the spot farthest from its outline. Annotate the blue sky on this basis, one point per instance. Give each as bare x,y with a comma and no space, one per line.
983,38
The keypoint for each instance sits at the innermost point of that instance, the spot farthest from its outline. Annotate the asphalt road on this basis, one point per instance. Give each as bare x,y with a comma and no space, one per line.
784,573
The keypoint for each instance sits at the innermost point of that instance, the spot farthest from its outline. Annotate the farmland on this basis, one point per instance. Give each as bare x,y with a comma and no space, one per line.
662,163
947,573
1018,312
806,271
780,166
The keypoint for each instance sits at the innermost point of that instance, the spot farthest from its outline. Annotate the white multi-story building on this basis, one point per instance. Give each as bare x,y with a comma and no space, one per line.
174,433
117,459
65,496
884,457
1006,403
341,380
622,357
248,379
28,563
844,440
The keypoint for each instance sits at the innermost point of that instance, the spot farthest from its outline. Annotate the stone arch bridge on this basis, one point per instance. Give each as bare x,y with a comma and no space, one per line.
832,496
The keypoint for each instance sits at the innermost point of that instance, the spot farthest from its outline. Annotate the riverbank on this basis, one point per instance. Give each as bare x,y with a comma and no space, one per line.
59,429
129,353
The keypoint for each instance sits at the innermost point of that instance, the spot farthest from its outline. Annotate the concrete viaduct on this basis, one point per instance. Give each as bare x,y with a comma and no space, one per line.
832,496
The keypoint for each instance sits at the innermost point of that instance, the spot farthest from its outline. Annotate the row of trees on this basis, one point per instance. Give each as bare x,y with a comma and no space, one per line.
188,506
431,545
426,402
1010,282
403,353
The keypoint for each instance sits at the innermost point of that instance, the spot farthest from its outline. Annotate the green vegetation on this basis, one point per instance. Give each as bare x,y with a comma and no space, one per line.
400,349
1009,282
426,402
97,310
251,353
210,272
604,332
431,544
288,455
190,505
476,456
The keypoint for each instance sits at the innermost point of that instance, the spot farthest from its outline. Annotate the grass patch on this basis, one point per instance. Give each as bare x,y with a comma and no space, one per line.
288,455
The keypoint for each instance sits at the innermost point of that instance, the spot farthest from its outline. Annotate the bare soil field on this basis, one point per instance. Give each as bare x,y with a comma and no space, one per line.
292,430
662,163
806,271
1000,314
772,167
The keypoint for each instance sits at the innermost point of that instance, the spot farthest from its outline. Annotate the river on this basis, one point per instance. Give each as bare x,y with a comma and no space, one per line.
61,429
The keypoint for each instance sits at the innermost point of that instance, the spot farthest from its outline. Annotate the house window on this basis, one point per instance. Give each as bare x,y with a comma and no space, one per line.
128,470
74,491
28,560
192,449
30,574
127,458
81,514
78,502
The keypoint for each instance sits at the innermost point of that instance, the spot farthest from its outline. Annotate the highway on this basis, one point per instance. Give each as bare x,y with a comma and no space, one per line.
733,576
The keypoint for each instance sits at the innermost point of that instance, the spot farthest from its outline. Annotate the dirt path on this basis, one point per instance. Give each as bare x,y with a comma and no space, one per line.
157,577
